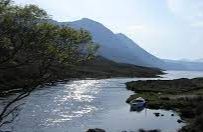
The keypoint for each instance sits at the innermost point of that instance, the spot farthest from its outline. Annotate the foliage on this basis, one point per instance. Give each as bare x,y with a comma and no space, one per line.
33,51
32,48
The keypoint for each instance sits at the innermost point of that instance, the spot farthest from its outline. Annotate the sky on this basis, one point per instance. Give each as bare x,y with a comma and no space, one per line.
169,29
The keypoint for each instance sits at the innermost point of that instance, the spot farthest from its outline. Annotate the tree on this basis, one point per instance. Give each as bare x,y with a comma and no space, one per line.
33,51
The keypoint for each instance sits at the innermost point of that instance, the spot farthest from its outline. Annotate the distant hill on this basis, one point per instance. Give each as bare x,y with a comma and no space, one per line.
199,60
191,60
183,65
116,47
121,49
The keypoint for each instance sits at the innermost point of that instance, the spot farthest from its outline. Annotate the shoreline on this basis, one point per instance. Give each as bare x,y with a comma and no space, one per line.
61,81
184,96
8,92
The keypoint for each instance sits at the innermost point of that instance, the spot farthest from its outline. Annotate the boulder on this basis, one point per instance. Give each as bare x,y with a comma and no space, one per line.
96,130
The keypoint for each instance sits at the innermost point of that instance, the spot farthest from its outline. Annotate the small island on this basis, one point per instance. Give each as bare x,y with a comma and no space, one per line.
184,96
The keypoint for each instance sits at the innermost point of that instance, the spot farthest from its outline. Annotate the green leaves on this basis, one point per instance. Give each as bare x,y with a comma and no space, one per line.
34,51
29,42
4,4
34,12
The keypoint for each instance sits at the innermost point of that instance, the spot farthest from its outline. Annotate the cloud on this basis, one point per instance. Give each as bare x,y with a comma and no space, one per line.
190,11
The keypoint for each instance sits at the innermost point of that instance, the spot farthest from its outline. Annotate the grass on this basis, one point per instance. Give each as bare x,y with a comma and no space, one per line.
182,95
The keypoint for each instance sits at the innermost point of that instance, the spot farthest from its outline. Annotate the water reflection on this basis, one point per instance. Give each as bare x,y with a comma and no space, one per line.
136,109
73,101
78,105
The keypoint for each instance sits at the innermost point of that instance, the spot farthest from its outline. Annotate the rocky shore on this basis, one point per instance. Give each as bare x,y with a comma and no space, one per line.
184,96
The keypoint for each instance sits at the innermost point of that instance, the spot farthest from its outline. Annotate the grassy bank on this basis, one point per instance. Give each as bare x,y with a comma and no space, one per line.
182,95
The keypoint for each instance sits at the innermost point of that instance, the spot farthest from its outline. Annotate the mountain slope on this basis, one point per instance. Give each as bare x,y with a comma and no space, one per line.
116,47
103,68
121,49
140,53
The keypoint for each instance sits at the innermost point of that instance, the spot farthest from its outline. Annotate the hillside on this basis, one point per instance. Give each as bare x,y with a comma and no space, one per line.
104,68
116,47
121,49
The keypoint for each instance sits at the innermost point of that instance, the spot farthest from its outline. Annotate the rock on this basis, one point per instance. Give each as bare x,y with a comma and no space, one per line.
157,114
156,130
179,121
162,114
96,130
172,114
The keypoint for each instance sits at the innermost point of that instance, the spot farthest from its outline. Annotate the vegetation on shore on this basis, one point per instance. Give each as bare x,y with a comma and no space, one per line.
182,95
140,130
100,67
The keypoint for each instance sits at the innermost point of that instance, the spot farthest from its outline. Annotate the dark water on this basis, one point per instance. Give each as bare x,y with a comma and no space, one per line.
79,105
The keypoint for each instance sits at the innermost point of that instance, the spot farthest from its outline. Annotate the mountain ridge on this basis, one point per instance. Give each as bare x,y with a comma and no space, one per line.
127,51
120,48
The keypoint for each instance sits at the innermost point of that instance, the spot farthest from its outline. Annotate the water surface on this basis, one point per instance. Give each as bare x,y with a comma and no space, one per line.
78,105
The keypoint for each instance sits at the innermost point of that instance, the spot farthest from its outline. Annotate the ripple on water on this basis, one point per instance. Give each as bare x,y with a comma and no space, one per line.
79,105
73,101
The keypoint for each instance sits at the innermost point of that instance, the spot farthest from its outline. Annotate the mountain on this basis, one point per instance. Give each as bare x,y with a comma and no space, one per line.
116,47
191,60
140,53
197,60
121,49
101,67
183,65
